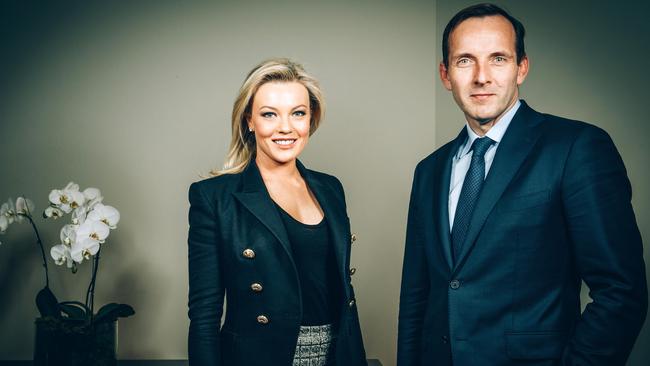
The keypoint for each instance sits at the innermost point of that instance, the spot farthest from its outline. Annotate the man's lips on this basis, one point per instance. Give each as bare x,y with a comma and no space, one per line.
481,96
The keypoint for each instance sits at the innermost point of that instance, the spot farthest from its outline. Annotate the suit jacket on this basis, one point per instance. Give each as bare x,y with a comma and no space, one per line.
237,239
554,210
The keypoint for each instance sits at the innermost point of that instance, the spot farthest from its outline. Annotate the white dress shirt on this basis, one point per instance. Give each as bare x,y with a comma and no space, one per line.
462,159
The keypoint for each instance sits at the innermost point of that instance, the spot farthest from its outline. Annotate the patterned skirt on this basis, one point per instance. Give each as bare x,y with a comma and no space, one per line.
315,346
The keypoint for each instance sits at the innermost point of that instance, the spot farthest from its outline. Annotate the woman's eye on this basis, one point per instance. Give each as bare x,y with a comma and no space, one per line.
299,113
268,114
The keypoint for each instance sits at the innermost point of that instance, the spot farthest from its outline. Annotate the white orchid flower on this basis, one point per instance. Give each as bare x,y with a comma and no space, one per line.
84,249
61,254
24,206
95,230
8,211
4,224
53,212
79,215
67,198
78,198
61,200
93,197
106,214
92,193
71,186
68,234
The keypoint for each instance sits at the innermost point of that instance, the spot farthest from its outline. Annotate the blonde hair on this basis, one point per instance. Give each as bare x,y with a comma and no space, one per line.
242,144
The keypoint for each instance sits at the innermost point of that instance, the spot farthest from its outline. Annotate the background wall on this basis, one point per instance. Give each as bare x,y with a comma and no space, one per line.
588,62
135,98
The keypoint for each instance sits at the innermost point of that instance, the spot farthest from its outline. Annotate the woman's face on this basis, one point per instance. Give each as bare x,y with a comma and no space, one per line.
280,119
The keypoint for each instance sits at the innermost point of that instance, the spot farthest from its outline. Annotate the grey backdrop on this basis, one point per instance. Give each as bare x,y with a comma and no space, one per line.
135,99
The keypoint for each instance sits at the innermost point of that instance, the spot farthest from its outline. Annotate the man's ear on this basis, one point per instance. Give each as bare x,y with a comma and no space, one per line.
444,75
522,70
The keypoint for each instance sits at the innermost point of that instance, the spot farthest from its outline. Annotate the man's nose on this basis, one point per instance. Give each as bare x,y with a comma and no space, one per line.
481,74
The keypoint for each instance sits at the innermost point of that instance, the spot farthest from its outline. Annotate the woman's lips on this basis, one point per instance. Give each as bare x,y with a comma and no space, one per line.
285,143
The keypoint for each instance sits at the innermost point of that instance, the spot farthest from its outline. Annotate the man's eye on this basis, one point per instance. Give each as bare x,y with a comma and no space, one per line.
500,59
268,114
462,62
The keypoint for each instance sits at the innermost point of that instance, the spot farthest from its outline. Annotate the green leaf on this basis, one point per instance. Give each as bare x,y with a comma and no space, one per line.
75,310
110,312
47,303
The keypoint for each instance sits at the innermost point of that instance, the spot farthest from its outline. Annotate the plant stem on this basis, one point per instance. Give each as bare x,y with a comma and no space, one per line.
90,293
40,244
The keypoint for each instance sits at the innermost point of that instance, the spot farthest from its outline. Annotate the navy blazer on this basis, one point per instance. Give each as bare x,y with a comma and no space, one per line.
554,210
237,239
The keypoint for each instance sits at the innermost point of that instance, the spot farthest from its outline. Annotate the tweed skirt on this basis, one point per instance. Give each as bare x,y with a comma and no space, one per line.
315,346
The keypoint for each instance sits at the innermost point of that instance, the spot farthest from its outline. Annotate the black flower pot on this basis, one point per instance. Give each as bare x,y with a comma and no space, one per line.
68,342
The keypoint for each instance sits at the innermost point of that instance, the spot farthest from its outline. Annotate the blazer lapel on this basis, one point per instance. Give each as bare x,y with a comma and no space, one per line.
513,149
334,211
256,199
441,186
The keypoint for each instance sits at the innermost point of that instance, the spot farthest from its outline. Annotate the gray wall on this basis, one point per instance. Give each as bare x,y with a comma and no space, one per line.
135,99
588,62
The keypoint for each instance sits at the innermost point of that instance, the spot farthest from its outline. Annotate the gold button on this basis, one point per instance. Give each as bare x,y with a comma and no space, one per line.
256,287
353,238
353,271
248,253
351,303
262,319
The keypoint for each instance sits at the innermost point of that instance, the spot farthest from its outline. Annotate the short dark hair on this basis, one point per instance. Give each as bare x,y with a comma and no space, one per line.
480,11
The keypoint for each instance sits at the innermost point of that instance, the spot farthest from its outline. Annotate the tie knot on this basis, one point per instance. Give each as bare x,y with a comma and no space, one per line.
480,146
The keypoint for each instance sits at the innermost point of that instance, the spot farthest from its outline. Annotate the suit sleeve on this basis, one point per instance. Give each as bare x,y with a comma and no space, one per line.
206,290
415,287
608,252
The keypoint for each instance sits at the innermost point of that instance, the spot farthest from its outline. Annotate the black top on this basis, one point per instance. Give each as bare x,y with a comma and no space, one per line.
313,255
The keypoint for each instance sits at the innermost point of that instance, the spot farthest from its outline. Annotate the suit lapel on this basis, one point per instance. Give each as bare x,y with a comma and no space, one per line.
513,150
334,211
256,199
441,186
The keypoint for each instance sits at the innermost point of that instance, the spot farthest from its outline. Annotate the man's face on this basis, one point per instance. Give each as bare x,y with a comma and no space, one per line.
483,74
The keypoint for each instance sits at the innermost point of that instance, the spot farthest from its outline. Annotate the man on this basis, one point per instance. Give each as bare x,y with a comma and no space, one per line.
506,221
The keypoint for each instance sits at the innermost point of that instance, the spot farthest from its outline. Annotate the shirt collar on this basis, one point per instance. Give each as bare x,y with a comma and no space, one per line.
495,133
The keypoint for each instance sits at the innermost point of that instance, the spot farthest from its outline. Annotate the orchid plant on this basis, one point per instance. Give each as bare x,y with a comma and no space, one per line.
81,240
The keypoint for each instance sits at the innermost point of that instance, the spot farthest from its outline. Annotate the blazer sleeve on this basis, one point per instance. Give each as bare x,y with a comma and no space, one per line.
415,288
608,251
206,291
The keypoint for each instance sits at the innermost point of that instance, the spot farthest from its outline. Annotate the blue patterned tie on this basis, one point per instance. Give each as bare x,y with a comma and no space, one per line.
469,194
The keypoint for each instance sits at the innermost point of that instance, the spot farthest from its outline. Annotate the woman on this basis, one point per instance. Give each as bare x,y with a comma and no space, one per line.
273,237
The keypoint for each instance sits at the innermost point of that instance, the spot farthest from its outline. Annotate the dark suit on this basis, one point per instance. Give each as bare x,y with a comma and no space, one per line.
233,213
554,210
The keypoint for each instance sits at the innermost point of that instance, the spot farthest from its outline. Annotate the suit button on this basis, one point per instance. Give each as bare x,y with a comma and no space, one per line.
262,319
353,238
256,287
353,271
248,253
445,339
454,284
351,303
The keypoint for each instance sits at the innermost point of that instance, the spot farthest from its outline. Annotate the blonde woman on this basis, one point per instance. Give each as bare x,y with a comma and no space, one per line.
273,237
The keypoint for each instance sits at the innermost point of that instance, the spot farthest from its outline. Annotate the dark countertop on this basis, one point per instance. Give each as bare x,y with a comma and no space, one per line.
371,362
